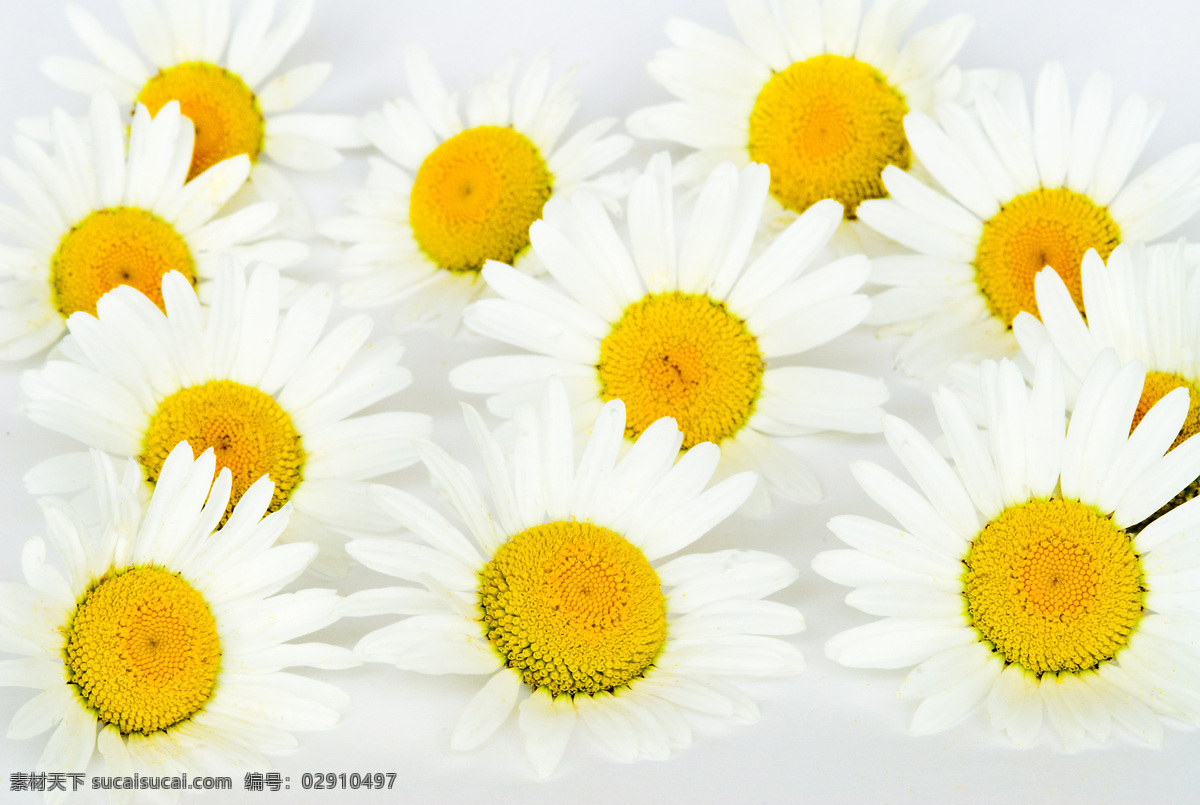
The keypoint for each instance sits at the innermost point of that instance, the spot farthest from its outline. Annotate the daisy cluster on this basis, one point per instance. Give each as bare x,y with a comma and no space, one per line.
642,328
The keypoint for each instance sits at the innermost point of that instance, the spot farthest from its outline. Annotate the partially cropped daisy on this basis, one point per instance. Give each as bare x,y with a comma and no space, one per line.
1025,190
685,331
1143,305
1012,577
267,391
221,76
108,210
556,591
816,91
164,644
453,194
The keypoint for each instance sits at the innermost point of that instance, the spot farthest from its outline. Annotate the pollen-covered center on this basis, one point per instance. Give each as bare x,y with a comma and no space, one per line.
573,607
222,109
250,433
475,197
142,649
116,246
1053,586
827,127
685,357
1042,228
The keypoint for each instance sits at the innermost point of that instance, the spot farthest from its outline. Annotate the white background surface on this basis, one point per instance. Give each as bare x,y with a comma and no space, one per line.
828,735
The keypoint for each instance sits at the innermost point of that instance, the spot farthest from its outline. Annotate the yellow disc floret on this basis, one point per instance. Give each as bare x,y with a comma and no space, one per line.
250,433
827,127
1042,228
143,650
475,197
573,607
685,357
116,246
221,107
1053,586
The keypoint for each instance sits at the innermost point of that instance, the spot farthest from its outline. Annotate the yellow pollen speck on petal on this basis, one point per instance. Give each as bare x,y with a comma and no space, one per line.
685,357
1053,586
827,127
573,607
246,428
116,246
142,649
1042,228
223,110
475,197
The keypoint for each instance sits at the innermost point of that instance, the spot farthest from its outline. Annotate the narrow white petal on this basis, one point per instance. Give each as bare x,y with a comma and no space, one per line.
293,87
1052,124
547,724
897,642
942,710
488,709
952,169
941,484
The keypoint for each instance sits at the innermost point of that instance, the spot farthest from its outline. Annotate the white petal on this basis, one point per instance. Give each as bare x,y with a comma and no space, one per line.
941,710
293,87
1052,125
547,723
489,708
897,642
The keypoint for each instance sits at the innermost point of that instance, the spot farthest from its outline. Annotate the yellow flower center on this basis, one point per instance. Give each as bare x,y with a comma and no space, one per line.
143,649
1053,586
573,607
827,127
475,197
116,246
685,357
221,107
1042,228
248,431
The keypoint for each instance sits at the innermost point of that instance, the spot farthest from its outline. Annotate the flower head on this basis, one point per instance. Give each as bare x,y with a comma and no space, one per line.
814,91
690,330
1022,190
164,643
267,390
557,591
1013,577
112,207
1141,304
451,195
220,75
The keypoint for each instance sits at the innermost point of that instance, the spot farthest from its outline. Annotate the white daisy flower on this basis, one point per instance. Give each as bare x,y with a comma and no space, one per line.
685,332
450,196
559,596
266,390
108,210
1022,191
1142,305
817,91
163,645
1012,577
220,74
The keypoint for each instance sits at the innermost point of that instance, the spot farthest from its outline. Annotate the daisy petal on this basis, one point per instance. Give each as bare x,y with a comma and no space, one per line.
547,724
487,711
